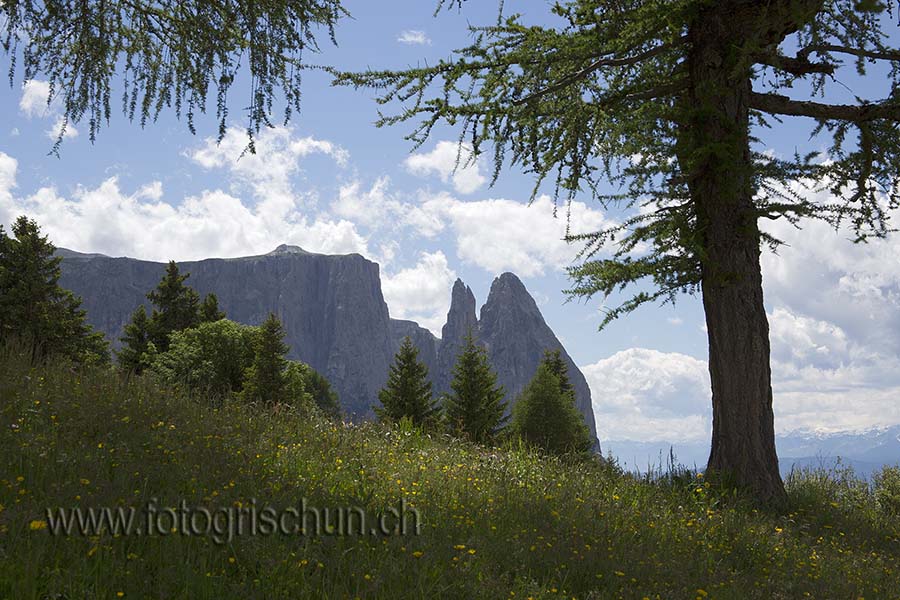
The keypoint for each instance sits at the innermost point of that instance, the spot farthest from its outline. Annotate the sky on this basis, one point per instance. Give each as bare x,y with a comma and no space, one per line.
331,182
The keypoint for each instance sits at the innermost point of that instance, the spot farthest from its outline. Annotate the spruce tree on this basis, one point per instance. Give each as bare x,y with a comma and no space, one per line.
209,309
407,392
34,308
553,359
324,396
264,380
176,307
474,408
546,416
132,356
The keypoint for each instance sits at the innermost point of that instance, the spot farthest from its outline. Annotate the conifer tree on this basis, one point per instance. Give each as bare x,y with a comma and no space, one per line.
264,380
322,393
34,308
474,408
546,416
176,307
553,359
407,392
132,356
209,309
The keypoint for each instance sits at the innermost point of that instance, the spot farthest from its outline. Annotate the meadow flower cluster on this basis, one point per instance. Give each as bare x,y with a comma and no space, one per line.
496,522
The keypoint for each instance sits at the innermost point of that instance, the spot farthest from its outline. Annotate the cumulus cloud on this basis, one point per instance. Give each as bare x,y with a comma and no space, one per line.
421,293
142,224
379,208
69,132
33,102
645,394
451,163
268,172
413,37
505,235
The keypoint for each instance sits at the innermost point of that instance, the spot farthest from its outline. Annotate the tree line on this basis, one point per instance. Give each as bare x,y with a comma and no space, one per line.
544,415
184,341
188,341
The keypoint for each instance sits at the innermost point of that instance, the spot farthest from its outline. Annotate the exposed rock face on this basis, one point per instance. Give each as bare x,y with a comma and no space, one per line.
460,320
333,312
423,339
516,336
335,316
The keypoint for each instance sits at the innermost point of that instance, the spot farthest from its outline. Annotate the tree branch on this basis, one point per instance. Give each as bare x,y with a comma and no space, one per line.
798,66
777,104
823,48
599,64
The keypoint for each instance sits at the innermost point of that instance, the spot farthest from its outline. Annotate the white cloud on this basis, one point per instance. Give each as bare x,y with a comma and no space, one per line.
269,170
69,133
499,235
33,102
676,321
643,394
378,208
413,36
465,173
8,168
421,293
142,225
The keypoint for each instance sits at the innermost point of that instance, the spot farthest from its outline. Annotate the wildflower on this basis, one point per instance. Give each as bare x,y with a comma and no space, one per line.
37,525
418,553
459,547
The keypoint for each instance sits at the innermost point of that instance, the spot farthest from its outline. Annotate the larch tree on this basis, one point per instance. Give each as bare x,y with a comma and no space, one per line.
165,54
667,103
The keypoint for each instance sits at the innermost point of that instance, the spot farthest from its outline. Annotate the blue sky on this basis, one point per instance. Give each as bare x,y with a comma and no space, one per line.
331,182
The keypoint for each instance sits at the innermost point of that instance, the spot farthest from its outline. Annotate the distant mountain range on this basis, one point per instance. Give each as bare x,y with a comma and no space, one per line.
335,316
865,451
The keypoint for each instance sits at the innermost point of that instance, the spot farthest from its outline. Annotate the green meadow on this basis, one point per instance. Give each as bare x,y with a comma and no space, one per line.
495,523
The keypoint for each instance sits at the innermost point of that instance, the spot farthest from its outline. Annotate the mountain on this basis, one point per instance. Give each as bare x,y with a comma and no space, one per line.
865,451
334,315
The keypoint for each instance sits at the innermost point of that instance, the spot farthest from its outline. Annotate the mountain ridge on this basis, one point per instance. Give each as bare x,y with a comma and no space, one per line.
335,316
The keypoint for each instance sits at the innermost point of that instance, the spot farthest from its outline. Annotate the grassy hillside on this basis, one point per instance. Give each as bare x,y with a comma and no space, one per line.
495,524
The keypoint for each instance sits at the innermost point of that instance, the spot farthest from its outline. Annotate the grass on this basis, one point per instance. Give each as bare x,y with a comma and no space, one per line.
501,523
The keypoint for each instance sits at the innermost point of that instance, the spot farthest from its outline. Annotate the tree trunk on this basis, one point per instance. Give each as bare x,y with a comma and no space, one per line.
716,155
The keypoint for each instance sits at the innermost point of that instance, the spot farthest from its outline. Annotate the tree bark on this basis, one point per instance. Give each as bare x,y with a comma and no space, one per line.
715,152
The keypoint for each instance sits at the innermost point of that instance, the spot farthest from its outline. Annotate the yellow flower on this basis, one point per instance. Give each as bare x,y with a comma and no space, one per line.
85,481
36,525
472,551
119,594
418,553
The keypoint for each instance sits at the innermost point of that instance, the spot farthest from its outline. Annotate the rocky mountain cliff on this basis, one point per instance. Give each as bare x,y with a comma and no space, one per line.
334,315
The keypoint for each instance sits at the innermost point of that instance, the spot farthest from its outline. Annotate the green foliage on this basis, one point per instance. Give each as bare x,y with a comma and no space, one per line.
264,379
498,524
176,307
210,358
604,97
34,308
167,53
475,407
209,309
407,392
135,342
323,395
554,361
546,416
297,394
887,491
